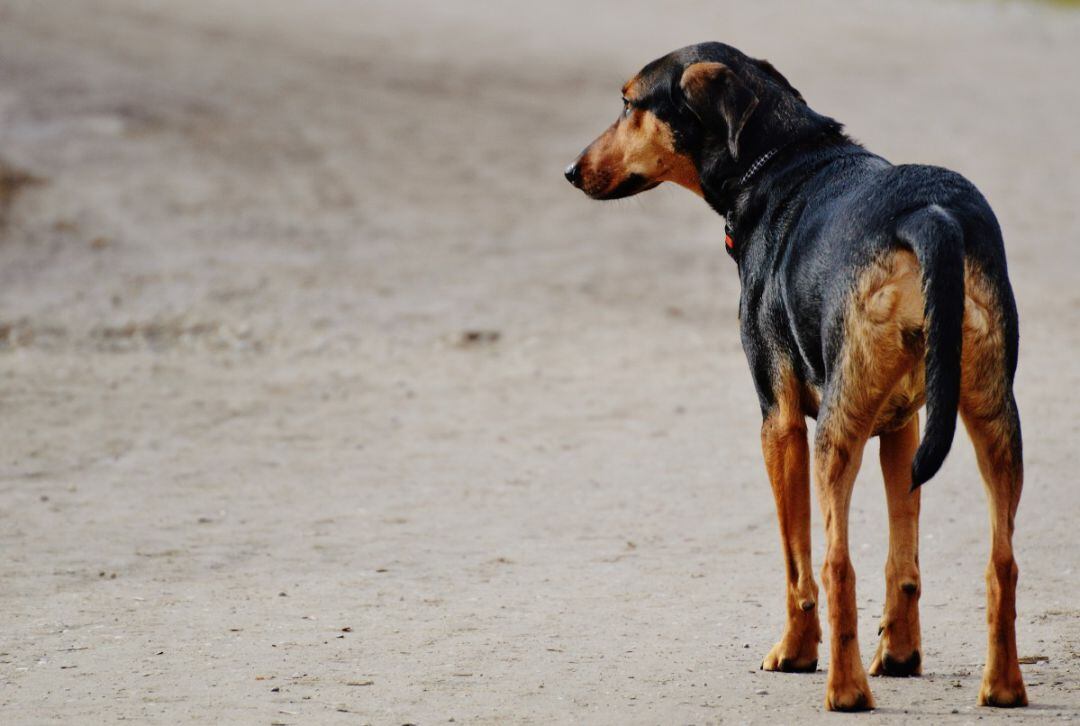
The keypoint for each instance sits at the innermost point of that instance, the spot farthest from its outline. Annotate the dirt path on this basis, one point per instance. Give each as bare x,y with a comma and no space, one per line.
324,399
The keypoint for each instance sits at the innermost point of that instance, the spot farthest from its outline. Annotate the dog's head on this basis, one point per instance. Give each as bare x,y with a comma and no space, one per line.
695,113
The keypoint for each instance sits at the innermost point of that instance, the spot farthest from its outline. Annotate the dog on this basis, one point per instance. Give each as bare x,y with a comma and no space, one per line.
867,290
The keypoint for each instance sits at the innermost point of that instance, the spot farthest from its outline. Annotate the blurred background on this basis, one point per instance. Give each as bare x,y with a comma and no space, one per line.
324,397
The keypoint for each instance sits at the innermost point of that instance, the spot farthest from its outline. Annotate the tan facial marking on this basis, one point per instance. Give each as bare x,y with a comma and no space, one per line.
638,143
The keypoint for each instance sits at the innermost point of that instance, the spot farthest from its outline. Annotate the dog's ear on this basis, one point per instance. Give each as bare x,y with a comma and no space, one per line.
713,93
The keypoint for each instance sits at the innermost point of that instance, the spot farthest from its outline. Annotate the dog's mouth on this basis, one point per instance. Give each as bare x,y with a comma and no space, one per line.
628,187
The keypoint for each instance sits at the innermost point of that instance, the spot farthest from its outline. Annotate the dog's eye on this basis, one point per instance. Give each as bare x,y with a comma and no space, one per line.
627,108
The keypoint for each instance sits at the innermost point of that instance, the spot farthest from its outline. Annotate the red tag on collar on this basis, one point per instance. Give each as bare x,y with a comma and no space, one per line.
729,242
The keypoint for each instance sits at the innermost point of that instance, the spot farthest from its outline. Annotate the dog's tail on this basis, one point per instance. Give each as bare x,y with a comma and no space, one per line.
938,241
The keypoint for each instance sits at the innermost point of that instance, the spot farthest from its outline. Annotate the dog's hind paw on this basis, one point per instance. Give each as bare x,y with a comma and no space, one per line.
850,697
1002,695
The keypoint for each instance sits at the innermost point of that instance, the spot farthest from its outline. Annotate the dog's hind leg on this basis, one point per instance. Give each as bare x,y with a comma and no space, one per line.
878,352
990,415
787,458
899,651
998,455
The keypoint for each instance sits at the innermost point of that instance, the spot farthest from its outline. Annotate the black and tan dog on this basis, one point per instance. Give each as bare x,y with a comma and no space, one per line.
867,289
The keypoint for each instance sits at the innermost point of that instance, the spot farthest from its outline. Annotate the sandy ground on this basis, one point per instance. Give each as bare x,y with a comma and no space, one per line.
326,400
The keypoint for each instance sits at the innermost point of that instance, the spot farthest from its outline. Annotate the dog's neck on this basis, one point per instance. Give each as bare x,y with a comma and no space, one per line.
743,183
731,190
758,163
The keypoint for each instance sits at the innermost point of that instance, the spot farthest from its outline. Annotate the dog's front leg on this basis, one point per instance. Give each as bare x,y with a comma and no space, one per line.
787,458
837,456
899,651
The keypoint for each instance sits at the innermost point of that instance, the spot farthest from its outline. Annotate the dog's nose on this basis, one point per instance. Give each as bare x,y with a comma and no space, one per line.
573,174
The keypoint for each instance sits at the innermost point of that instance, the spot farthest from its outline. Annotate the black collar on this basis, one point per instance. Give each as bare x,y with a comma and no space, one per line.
729,216
758,163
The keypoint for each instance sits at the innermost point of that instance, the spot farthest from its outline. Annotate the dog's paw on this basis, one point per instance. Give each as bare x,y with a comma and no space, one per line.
789,660
886,664
1003,692
852,696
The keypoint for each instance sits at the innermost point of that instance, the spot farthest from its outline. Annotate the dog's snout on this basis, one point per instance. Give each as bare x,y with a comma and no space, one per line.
573,174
